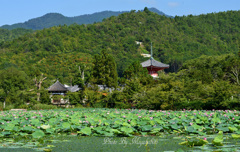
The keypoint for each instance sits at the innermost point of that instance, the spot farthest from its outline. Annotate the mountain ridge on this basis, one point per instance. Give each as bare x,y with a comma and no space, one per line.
175,41
54,19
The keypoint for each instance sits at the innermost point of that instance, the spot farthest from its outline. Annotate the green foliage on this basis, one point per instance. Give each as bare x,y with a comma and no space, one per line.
44,97
8,35
201,49
191,142
75,97
12,83
135,71
38,134
118,99
182,38
218,140
105,70
43,106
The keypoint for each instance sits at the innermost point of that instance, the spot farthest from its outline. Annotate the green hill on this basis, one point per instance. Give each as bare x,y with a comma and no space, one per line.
56,51
7,35
55,19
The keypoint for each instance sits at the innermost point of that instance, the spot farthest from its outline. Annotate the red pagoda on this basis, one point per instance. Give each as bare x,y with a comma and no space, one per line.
153,66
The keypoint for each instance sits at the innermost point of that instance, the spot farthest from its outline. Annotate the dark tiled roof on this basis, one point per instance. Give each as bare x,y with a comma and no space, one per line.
57,86
152,62
74,88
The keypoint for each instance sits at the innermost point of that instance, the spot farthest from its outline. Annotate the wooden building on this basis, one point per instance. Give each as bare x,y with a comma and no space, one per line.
154,66
58,93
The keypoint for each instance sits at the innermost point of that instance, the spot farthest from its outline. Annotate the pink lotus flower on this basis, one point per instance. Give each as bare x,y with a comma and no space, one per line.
204,138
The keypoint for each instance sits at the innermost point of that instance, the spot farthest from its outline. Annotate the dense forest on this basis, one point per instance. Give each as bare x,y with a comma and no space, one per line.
8,35
202,52
55,19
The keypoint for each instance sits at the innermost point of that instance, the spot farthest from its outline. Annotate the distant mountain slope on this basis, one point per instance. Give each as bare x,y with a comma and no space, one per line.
55,19
175,41
8,35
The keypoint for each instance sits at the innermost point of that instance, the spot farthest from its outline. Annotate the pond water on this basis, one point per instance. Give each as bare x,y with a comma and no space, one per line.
116,144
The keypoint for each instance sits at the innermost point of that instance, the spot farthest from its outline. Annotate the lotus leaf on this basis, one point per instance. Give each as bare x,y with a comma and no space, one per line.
133,123
194,142
232,129
35,122
9,127
27,129
52,121
216,120
86,131
155,130
146,128
126,130
235,136
45,126
116,131
66,125
218,140
50,130
224,129
126,124
38,134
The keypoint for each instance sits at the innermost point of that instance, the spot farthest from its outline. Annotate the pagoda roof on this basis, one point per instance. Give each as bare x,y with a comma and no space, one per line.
57,86
151,62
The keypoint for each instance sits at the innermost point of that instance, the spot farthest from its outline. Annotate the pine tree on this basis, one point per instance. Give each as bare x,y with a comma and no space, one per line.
105,70
136,71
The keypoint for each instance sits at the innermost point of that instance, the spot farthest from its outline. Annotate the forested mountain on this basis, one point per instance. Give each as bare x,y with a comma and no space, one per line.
175,40
202,51
7,35
55,19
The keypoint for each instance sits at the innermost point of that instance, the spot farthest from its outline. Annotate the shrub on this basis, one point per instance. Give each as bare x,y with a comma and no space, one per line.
43,106
23,106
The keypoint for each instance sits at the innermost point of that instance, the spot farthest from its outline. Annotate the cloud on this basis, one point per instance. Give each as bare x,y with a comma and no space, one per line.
173,4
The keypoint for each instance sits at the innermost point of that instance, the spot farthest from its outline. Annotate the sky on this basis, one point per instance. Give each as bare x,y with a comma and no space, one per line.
19,11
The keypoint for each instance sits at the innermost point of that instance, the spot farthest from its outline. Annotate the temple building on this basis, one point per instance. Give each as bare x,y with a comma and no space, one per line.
154,66
58,92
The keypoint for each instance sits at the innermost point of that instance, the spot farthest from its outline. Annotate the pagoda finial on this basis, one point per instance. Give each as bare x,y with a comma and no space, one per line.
151,51
151,54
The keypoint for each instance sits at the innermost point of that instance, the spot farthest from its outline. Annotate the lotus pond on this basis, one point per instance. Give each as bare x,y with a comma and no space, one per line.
119,130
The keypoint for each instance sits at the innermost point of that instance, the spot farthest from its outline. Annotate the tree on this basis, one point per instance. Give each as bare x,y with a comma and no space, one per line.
45,98
135,70
104,70
79,77
38,80
146,10
12,81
